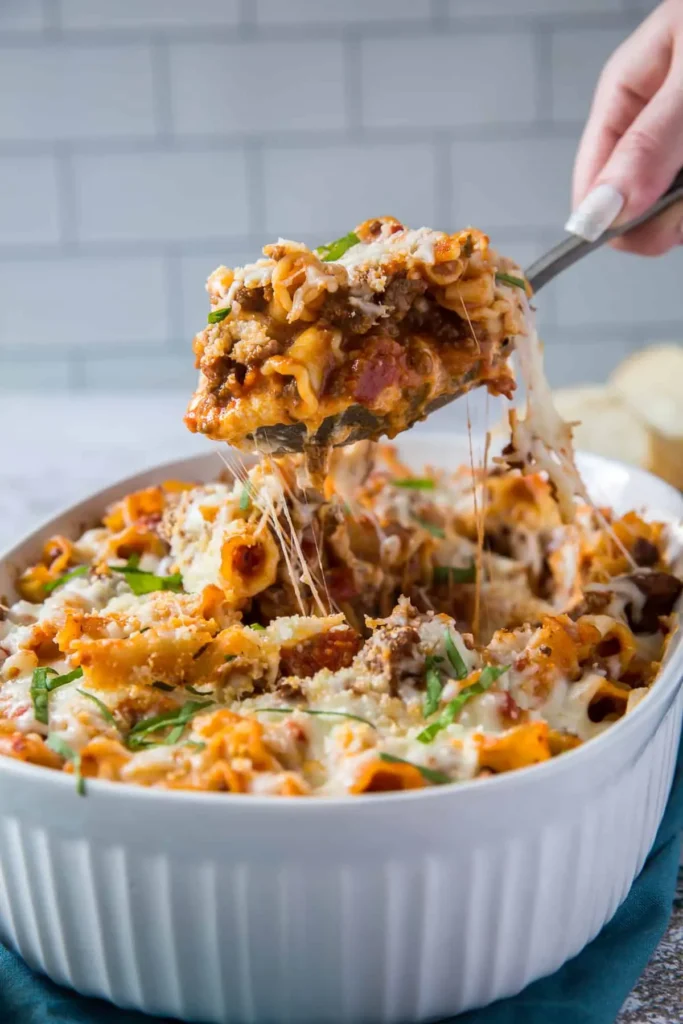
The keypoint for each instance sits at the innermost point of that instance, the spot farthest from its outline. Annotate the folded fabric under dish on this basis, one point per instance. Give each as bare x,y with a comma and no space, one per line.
590,989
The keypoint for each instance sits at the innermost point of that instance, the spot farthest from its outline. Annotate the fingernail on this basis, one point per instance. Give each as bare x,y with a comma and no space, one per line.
600,208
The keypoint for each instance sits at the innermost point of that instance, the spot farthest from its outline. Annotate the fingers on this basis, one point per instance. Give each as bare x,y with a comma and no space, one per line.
641,166
657,237
632,147
649,155
631,77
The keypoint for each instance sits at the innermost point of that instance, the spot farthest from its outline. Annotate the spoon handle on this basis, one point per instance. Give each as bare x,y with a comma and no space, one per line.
574,248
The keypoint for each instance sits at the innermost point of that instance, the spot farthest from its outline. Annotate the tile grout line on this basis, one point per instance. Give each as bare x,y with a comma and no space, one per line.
436,21
542,42
66,198
353,85
257,198
162,89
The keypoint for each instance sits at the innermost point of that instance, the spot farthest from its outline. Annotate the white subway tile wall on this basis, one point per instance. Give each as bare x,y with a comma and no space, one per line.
143,142
320,191
29,200
161,196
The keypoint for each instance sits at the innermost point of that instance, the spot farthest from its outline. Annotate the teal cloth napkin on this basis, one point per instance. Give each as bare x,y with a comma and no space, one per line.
590,989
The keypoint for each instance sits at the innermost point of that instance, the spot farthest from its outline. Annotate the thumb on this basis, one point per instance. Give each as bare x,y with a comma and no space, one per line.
657,236
641,166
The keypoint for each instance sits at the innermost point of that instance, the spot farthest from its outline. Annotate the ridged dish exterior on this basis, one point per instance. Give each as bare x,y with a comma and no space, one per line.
408,907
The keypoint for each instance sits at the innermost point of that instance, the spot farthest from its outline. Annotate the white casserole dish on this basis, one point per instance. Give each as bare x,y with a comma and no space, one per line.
409,906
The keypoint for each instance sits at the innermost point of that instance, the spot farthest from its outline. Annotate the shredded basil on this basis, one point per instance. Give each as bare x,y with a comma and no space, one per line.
455,706
216,315
81,570
436,531
434,688
69,677
62,748
104,710
40,693
41,688
335,250
516,282
464,574
176,720
311,711
415,483
257,626
430,774
230,657
245,498
197,693
141,582
455,658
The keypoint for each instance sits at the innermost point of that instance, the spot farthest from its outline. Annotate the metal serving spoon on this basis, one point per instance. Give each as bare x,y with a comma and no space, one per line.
358,423
574,248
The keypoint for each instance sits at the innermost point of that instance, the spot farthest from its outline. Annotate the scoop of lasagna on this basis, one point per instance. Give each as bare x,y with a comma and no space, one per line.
396,631
358,338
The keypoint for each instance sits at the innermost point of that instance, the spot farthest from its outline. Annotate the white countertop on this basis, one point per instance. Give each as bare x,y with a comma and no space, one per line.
56,449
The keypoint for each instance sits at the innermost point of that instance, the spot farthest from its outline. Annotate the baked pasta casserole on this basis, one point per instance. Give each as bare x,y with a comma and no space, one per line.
392,632
358,338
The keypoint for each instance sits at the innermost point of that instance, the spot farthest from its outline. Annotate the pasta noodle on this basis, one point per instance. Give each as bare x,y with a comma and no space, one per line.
385,323
184,642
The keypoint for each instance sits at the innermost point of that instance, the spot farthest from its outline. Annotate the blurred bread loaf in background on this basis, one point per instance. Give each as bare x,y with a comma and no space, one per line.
637,416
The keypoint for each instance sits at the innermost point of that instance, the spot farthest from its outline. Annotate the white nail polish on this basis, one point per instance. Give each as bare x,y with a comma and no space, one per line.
599,209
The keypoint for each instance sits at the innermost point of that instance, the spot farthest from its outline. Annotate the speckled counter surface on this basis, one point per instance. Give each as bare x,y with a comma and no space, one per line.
55,450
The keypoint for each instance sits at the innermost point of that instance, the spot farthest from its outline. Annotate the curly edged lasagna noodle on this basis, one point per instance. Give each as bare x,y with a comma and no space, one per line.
359,338
254,636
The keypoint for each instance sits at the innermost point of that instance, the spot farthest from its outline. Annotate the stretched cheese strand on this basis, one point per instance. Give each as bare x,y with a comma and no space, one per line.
542,440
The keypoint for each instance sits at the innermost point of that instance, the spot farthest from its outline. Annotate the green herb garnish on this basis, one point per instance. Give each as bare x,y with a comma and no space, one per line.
434,688
216,315
245,498
163,686
464,574
516,282
39,693
468,247
455,658
62,748
335,250
257,626
69,677
438,778
195,744
104,710
436,531
141,582
176,720
81,570
455,706
415,483
42,686
230,657
310,711
192,689
200,650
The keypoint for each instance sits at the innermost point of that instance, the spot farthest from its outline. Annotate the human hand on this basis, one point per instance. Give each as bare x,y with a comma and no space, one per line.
632,145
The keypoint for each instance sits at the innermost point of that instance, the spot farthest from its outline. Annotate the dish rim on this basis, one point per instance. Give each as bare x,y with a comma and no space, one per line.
661,696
